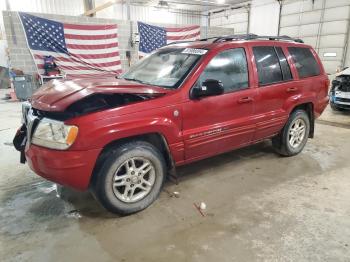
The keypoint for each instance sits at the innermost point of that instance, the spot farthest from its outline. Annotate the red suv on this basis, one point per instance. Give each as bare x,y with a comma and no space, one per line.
120,137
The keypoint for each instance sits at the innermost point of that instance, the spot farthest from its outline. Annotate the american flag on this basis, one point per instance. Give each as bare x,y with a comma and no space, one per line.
79,50
153,37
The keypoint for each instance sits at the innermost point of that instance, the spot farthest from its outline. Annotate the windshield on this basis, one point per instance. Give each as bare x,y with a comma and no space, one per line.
166,67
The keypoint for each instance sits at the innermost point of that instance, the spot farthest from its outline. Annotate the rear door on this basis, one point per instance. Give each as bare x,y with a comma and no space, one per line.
219,123
274,84
312,80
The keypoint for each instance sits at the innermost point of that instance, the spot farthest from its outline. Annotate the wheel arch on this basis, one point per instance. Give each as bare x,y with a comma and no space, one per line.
308,107
155,138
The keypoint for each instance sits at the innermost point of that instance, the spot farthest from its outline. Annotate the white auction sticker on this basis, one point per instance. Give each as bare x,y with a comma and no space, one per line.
194,51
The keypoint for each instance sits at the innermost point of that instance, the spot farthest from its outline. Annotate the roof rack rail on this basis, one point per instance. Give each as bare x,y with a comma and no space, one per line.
178,42
190,41
239,37
254,36
235,37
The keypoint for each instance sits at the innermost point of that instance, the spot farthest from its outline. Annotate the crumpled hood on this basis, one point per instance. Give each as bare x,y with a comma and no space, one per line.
57,95
345,72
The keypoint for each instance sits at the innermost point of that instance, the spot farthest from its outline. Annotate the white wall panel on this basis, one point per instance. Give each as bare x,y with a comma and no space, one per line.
63,7
337,13
311,17
347,55
231,18
332,41
290,20
332,3
240,28
150,14
308,5
330,66
291,8
312,40
216,21
292,31
113,12
336,27
339,53
309,30
237,17
264,16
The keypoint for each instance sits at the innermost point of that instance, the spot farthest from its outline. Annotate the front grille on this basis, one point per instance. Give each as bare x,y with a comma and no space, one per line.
340,99
60,116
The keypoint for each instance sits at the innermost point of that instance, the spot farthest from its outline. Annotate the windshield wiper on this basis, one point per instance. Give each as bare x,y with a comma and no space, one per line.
135,80
145,83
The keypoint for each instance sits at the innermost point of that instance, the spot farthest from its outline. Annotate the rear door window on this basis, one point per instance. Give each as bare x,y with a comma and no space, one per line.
287,75
267,62
304,61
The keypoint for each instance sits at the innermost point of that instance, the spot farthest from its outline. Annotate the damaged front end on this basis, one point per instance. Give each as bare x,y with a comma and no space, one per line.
91,104
340,92
43,119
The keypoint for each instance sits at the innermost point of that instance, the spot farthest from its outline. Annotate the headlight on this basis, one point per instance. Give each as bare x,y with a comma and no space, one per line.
54,134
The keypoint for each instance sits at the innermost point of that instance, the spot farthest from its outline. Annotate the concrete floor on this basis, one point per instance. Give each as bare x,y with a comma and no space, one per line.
260,207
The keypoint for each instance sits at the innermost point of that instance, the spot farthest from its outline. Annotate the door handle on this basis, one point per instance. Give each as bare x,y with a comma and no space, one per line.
291,89
245,100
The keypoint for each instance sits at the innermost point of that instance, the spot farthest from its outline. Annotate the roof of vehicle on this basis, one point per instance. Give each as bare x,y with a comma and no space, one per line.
212,42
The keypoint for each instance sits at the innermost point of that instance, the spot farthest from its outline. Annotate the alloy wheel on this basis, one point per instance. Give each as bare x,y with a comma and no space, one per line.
134,179
297,133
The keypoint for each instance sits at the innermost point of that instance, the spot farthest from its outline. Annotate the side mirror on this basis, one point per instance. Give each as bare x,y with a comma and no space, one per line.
209,87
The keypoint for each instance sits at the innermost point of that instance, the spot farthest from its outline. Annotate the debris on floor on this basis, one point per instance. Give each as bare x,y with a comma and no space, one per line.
174,194
199,208
73,214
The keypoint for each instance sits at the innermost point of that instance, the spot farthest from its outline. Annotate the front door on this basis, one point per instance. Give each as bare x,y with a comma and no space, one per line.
220,123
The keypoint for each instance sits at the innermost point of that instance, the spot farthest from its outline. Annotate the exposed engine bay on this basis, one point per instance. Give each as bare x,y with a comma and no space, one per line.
92,103
341,83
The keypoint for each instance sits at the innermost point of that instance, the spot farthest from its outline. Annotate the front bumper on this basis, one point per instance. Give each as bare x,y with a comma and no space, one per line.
340,101
68,168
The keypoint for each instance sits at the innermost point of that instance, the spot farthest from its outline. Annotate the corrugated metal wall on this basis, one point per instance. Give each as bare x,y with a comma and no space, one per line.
149,14
264,15
236,19
324,24
117,11
64,7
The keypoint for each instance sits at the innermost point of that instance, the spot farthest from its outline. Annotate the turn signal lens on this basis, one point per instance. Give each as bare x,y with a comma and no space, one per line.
72,135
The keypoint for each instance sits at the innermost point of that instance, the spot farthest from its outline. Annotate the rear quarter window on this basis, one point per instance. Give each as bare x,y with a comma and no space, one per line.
304,61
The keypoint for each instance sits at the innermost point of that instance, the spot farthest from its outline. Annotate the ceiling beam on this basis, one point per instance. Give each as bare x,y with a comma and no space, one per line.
101,7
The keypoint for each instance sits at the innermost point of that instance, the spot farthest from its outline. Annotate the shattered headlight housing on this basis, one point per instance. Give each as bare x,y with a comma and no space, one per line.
54,134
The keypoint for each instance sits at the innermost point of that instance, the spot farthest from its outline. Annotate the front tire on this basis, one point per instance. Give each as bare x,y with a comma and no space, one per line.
131,178
293,137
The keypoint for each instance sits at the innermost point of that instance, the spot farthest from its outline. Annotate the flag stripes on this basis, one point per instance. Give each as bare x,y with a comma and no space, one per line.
79,50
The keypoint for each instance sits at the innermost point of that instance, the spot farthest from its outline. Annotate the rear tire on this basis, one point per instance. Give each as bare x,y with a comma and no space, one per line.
293,137
131,178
